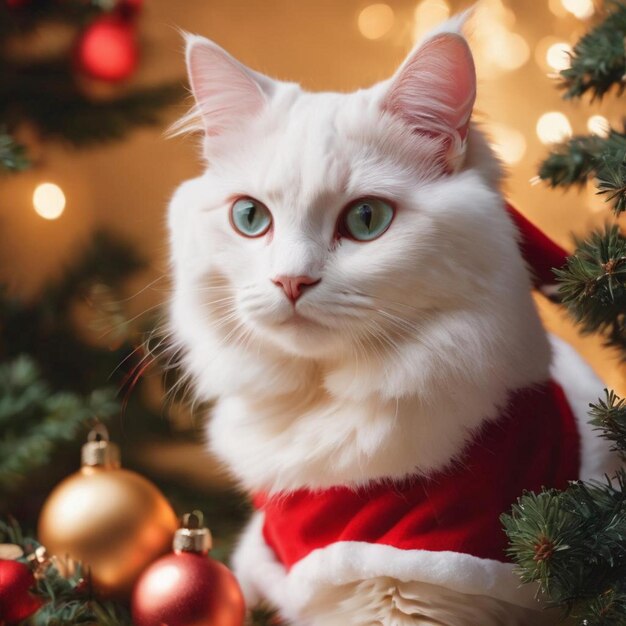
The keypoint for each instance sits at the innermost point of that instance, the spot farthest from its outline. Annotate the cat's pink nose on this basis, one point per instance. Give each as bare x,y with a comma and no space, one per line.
293,285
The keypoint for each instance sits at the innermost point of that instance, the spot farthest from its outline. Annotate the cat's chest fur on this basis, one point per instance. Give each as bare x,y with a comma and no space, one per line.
341,428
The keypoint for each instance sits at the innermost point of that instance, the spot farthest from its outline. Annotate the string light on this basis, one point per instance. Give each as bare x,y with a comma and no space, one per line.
598,125
428,14
558,56
582,9
49,201
508,143
375,21
553,127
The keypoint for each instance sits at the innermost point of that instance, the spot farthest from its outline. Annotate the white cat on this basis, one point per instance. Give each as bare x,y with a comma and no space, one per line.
349,288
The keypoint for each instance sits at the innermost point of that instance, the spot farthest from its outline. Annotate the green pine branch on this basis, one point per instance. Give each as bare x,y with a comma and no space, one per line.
53,380
67,601
48,95
593,285
12,155
611,175
16,21
580,158
572,544
609,417
598,61
35,419
572,162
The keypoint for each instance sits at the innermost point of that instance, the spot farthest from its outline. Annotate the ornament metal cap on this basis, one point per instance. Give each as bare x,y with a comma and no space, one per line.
99,451
193,536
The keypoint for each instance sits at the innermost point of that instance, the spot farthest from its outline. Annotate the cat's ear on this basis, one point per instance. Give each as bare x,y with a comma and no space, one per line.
434,92
226,92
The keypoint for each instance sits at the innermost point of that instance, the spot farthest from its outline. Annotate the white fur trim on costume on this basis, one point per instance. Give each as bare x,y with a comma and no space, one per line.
582,386
352,561
259,573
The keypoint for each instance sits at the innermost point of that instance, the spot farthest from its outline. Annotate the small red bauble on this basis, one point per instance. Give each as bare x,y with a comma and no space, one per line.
16,601
107,49
187,588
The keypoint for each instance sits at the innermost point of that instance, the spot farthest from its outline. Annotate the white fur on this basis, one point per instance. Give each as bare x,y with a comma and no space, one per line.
406,345
581,386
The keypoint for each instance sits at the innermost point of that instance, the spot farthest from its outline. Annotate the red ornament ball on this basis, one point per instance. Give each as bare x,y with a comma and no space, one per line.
16,601
187,589
107,49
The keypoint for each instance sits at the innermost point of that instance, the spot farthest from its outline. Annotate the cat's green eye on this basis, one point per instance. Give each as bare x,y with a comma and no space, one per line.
366,219
250,217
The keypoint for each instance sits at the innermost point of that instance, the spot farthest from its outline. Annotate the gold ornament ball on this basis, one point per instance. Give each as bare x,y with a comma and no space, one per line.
112,520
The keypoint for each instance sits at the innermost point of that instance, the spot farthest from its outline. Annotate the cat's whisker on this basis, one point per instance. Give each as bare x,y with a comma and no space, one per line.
226,299
142,290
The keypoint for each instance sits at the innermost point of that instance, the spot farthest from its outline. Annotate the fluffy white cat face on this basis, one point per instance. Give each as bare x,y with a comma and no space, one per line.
324,219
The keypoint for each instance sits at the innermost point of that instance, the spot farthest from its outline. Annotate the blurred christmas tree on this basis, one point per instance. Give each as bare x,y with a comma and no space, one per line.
573,543
71,354
55,58
62,66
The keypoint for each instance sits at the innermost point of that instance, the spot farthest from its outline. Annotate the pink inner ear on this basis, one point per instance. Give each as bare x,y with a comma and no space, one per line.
224,91
435,89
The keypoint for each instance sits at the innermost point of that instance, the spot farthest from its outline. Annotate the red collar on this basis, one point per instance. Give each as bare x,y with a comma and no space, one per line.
535,443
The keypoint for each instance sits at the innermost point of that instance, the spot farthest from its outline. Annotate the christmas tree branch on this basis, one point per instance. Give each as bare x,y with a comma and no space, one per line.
598,60
12,155
34,420
581,158
48,95
105,258
572,542
17,20
68,600
593,285
609,416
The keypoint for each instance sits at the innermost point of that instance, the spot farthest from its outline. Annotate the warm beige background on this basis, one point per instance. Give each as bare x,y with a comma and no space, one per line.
316,42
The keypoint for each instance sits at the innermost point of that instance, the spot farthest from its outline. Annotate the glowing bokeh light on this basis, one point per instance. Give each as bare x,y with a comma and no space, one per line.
515,53
541,51
49,201
598,125
506,50
553,127
558,56
582,9
557,8
375,21
428,14
497,48
508,143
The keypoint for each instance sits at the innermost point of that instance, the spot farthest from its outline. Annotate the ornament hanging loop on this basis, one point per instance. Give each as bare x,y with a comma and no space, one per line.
192,536
99,451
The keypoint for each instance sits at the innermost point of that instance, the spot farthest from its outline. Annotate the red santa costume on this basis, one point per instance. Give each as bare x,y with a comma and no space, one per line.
443,529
